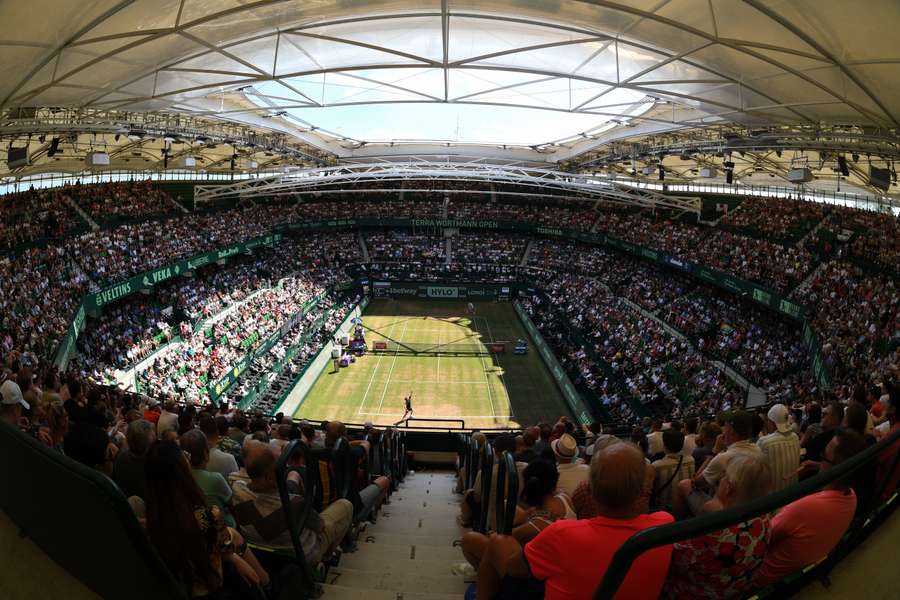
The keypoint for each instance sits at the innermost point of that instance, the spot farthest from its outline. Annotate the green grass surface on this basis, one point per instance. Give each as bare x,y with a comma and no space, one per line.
502,390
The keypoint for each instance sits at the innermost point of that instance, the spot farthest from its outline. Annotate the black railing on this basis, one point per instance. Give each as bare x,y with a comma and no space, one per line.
487,472
507,493
664,535
297,516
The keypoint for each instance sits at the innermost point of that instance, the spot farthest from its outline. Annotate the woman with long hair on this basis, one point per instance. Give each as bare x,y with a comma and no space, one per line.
543,506
192,540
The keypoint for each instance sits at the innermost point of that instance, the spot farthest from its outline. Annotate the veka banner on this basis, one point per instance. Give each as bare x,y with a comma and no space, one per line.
149,279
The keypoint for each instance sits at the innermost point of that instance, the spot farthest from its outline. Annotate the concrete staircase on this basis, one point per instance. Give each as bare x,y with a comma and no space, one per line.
813,231
87,219
448,251
756,395
409,553
807,281
524,261
362,247
179,205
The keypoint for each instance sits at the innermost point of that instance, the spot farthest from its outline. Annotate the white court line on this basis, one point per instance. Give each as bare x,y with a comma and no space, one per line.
479,382
440,332
396,414
488,323
372,378
488,382
394,362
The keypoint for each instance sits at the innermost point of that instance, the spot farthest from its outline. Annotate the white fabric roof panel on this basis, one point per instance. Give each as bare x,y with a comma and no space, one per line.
751,61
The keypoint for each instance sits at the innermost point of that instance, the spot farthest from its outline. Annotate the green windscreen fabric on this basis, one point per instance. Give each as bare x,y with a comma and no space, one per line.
81,520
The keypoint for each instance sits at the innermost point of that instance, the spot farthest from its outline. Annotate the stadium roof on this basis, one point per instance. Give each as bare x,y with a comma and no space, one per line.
550,80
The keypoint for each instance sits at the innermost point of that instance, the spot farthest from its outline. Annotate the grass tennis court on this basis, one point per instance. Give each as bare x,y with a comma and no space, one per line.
491,390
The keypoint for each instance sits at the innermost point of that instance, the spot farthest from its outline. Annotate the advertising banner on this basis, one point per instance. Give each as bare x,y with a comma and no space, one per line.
572,397
149,279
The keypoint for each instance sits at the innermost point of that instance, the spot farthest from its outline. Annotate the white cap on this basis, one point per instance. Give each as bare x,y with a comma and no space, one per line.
12,394
778,414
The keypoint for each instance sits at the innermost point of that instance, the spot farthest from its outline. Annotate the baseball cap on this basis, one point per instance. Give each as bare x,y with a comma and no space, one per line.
778,414
12,394
565,446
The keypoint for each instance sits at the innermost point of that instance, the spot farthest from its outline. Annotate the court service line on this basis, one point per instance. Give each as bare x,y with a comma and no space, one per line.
452,381
394,362
396,414
487,381
439,357
488,323
372,378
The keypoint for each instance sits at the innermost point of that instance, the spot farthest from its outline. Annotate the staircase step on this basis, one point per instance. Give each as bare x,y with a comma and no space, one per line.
338,592
398,539
375,561
399,579
411,552
433,527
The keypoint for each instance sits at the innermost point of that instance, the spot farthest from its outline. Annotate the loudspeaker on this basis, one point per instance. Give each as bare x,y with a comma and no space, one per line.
54,147
729,176
879,178
662,172
842,166
801,175
96,159
17,157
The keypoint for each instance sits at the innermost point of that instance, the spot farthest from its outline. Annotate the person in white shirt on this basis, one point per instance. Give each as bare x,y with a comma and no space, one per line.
571,473
781,448
219,462
690,437
168,419
694,496
654,439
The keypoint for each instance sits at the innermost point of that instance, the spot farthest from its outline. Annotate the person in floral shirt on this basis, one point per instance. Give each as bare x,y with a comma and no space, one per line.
720,565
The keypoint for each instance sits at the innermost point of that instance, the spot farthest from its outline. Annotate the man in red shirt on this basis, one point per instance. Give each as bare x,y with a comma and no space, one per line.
571,557
153,411
807,530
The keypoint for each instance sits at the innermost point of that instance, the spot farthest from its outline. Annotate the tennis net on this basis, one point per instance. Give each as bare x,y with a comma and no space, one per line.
450,349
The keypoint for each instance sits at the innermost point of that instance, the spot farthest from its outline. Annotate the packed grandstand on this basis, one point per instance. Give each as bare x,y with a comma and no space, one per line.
642,342
428,300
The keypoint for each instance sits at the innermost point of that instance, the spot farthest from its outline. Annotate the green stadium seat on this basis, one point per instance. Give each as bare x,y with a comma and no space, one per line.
65,507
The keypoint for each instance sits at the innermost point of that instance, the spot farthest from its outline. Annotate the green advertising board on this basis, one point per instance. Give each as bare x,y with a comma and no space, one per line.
148,279
436,291
760,294
68,343
572,397
224,383
413,289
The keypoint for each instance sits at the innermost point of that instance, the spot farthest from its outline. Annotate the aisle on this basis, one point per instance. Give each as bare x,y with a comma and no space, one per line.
409,553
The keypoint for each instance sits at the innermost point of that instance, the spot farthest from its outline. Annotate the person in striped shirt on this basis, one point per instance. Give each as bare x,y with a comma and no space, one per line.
669,470
781,447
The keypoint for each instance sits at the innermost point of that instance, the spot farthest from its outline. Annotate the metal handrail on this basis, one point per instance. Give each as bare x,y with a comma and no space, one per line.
474,453
342,460
507,493
487,473
655,537
297,518
405,422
